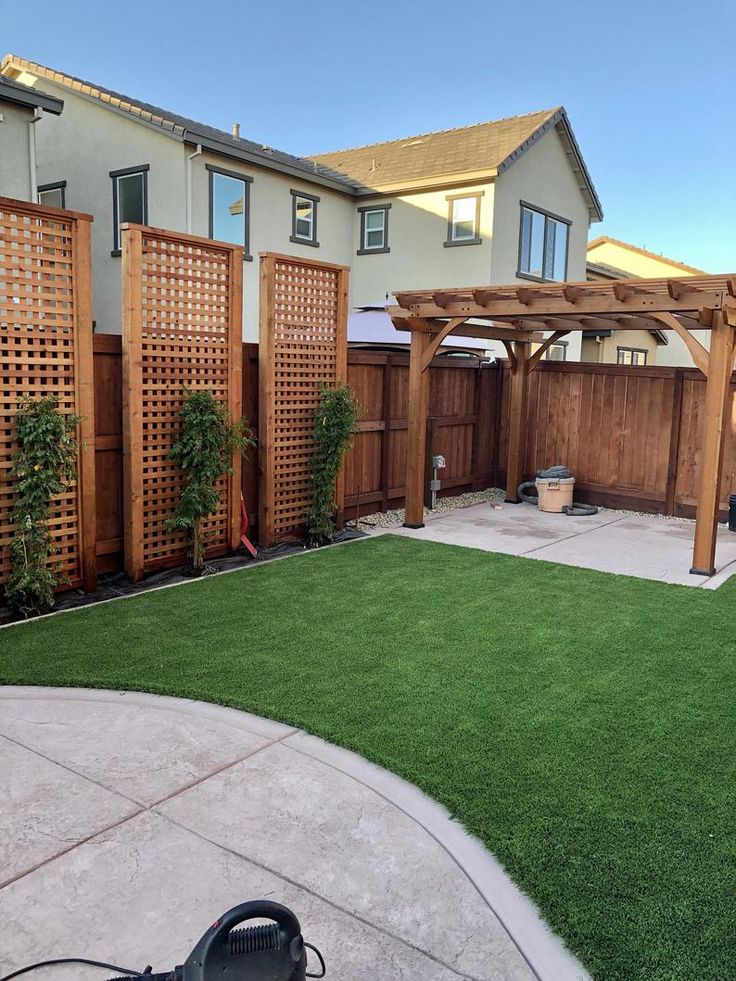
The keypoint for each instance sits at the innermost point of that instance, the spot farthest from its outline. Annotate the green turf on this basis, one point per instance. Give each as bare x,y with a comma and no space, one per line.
581,724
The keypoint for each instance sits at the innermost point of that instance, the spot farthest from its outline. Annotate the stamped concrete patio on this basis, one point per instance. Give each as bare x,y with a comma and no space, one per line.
130,821
645,546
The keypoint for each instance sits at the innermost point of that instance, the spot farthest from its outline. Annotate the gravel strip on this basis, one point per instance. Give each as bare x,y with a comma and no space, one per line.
494,495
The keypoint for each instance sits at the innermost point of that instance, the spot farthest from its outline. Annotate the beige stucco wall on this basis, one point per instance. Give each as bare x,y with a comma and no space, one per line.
606,351
81,147
417,225
15,179
270,222
541,177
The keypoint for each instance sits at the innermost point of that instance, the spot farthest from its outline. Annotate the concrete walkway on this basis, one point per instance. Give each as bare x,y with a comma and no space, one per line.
645,546
128,822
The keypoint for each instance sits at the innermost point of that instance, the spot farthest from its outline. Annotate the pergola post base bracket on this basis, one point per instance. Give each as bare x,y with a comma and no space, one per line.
702,572
409,524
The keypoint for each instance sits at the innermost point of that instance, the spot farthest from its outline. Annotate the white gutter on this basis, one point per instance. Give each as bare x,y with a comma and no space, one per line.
37,114
190,206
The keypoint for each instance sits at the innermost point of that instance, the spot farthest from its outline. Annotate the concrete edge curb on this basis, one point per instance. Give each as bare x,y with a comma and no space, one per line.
540,947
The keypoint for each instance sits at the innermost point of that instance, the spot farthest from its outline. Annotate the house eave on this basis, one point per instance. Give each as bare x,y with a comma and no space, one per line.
434,183
31,100
264,160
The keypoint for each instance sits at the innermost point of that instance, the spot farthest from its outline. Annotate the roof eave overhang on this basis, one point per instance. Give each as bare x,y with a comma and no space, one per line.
436,182
264,160
33,100
559,120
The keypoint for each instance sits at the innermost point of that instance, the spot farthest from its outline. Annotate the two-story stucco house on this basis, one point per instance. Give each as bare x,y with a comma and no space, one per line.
21,108
493,203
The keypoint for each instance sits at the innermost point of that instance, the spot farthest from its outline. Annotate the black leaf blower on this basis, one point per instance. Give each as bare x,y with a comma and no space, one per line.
272,952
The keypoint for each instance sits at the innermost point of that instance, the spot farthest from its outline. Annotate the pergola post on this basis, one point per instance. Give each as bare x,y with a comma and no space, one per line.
517,420
417,436
715,414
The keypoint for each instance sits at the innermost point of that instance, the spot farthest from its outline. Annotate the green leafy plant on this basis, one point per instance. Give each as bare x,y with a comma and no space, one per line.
204,450
334,421
45,462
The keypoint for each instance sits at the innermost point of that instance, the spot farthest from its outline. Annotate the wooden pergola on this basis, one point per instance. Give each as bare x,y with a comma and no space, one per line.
522,315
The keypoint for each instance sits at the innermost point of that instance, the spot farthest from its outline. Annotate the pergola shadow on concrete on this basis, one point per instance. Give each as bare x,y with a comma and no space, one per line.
521,315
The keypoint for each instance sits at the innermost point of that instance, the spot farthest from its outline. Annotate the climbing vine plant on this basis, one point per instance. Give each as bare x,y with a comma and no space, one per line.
204,450
43,465
334,422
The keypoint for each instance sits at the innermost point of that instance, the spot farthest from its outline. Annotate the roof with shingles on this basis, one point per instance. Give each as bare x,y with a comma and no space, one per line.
607,240
445,155
483,148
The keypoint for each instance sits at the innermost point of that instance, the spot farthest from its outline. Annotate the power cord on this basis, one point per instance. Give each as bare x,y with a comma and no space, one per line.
75,960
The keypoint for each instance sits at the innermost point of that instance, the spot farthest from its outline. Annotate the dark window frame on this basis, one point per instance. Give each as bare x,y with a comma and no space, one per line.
547,214
53,186
114,175
299,239
247,180
364,250
620,349
563,344
477,238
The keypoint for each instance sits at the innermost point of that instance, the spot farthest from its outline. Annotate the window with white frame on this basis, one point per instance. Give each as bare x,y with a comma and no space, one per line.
631,356
53,195
304,218
129,199
543,242
463,220
229,207
374,229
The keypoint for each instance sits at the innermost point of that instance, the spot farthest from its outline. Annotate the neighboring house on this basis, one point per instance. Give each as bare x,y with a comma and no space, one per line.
20,109
610,258
498,202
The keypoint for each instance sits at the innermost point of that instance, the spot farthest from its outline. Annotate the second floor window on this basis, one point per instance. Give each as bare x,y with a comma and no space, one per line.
463,220
129,200
304,218
631,356
229,207
542,245
53,195
374,229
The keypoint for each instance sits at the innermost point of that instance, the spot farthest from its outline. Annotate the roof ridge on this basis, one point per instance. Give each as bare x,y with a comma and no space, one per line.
653,255
436,132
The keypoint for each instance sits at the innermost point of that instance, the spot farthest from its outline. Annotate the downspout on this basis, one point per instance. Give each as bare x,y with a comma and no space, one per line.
37,113
190,205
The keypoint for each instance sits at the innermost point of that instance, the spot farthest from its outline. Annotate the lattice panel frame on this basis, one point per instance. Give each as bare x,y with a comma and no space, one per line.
303,345
182,329
46,348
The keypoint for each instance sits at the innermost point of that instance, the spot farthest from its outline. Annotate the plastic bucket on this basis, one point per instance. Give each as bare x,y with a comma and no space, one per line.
554,495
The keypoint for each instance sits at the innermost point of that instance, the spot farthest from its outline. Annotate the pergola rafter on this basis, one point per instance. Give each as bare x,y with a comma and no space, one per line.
518,315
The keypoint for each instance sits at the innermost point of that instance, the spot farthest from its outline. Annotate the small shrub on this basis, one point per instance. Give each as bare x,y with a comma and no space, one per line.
204,450
45,462
334,421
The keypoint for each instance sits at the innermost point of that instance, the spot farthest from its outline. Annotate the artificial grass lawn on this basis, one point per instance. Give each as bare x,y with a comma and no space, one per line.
581,724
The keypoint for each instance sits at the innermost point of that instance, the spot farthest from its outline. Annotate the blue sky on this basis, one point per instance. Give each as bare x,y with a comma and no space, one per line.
650,86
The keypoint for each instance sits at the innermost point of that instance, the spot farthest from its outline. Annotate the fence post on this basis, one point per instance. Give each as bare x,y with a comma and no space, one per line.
675,427
386,437
82,252
132,248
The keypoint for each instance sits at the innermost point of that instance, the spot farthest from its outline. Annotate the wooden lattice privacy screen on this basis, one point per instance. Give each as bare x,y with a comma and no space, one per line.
46,349
182,329
303,345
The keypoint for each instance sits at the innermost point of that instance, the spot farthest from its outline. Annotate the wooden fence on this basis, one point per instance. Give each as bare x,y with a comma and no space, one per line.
303,343
182,330
630,435
45,349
